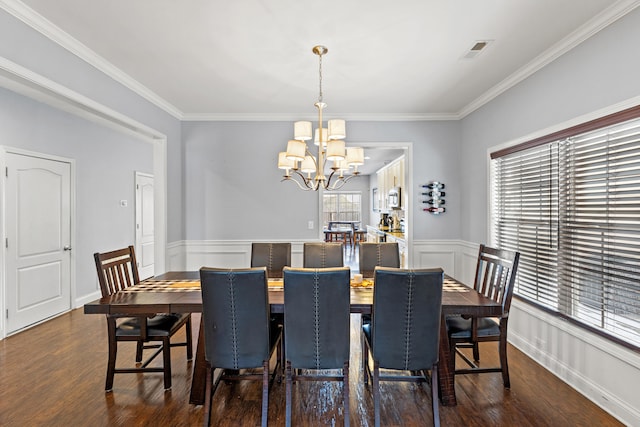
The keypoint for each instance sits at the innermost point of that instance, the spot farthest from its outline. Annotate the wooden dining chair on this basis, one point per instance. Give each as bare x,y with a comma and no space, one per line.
404,331
237,330
316,328
274,256
322,255
117,270
495,276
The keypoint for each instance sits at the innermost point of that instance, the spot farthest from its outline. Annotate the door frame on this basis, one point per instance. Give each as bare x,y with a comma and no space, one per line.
4,150
408,182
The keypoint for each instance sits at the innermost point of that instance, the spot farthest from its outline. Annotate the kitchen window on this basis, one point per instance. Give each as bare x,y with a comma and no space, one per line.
570,203
341,206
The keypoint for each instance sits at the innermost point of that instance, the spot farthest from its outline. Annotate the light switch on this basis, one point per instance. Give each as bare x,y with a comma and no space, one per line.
123,203
310,225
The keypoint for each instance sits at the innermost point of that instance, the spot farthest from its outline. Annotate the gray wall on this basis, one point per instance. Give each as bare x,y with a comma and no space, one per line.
233,191
600,72
30,49
105,162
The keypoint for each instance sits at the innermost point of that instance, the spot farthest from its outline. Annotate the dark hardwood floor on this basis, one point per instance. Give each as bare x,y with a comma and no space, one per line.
53,375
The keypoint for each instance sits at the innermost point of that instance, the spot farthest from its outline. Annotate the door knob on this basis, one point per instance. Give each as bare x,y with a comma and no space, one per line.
67,248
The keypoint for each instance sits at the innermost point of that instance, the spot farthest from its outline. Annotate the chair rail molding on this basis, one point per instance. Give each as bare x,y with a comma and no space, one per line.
193,254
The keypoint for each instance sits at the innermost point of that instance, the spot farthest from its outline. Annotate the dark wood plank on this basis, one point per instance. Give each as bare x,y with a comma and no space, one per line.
53,374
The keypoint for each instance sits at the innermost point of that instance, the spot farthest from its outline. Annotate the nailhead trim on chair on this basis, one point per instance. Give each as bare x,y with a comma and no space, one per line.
316,316
407,332
270,257
234,329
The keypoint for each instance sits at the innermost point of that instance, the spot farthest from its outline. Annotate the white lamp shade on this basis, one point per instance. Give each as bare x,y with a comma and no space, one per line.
302,131
337,129
342,165
283,161
325,134
296,150
308,165
355,156
335,150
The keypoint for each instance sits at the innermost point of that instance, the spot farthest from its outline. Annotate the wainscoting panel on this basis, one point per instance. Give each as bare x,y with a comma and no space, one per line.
191,255
438,253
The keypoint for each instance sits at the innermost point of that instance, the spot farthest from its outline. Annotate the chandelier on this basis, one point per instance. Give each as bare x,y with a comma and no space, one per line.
300,164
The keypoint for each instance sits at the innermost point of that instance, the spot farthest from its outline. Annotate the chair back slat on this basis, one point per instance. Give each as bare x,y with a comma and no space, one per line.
496,274
406,317
117,270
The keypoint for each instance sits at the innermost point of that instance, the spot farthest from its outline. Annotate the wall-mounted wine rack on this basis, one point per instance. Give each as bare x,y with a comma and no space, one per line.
434,194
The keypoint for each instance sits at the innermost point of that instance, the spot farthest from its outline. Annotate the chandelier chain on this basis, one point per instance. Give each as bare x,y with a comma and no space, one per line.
320,80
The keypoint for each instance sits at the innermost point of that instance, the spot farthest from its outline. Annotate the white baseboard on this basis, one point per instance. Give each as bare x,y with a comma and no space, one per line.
79,302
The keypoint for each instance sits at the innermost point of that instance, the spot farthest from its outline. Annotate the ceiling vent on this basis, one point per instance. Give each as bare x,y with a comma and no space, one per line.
478,47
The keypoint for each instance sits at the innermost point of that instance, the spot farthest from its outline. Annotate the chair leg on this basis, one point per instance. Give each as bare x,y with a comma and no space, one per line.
376,393
189,339
166,362
139,349
345,392
476,352
280,360
502,349
288,386
208,396
265,392
452,353
365,357
434,395
111,363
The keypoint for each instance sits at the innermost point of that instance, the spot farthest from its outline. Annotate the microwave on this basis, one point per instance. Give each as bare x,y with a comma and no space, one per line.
393,199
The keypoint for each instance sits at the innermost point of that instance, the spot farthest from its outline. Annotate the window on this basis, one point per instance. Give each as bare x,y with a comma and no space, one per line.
570,203
341,206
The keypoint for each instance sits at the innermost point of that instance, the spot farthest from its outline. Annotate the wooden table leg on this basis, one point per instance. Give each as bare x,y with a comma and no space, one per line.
198,379
446,369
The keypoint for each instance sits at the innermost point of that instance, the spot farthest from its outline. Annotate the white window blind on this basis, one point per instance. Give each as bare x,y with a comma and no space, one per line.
525,218
572,208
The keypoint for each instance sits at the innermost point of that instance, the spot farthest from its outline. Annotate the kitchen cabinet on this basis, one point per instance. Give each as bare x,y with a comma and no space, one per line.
392,175
373,234
402,247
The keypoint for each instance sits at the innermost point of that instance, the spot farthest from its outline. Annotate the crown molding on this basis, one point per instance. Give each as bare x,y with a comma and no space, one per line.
288,117
54,33
590,28
24,81
39,23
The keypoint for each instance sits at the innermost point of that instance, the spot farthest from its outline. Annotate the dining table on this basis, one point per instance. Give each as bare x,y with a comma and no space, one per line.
179,292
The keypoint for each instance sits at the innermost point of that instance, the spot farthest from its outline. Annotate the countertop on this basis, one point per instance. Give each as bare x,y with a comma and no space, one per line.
397,234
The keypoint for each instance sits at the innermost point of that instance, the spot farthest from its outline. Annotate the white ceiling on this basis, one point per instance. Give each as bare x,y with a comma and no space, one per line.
252,59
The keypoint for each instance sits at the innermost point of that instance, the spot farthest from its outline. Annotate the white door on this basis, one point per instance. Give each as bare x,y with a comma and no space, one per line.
38,251
145,245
